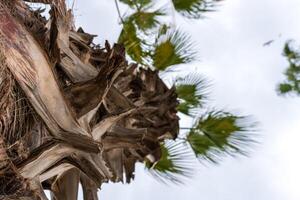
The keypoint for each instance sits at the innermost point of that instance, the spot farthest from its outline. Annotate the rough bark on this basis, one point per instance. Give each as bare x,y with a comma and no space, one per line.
71,111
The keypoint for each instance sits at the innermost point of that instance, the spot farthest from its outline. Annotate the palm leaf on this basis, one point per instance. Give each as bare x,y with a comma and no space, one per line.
192,92
133,44
175,164
292,73
290,52
194,8
285,88
175,49
136,3
219,133
146,20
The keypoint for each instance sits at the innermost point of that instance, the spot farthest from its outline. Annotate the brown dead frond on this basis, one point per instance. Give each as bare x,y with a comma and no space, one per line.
71,111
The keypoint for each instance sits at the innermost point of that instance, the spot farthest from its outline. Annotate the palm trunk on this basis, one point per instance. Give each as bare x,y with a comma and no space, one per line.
93,116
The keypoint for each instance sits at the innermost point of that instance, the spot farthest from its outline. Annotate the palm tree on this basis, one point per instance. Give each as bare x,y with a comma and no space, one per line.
292,83
73,112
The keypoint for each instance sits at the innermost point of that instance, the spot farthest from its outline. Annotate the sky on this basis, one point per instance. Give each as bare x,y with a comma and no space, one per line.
244,75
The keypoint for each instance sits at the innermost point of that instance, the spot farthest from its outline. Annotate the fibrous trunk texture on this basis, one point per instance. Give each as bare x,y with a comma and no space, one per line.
71,111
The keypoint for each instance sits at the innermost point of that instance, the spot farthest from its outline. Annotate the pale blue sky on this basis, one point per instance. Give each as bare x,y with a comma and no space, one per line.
244,75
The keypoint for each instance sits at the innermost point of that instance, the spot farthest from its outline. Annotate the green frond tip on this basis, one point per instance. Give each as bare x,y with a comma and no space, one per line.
133,44
285,88
219,133
175,165
146,20
175,49
194,8
290,52
137,3
192,92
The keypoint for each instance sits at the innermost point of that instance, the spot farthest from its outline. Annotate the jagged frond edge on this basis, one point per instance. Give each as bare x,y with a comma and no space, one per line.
194,9
183,161
240,142
199,97
181,49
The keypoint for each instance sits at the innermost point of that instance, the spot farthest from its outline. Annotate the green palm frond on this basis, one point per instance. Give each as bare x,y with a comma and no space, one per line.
146,20
175,49
137,3
192,92
133,44
285,88
290,52
194,8
292,73
219,133
176,163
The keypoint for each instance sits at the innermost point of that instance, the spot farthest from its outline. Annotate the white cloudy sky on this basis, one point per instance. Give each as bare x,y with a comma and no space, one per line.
244,75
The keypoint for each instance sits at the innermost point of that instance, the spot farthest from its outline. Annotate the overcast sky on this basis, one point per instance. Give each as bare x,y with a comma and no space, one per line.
244,75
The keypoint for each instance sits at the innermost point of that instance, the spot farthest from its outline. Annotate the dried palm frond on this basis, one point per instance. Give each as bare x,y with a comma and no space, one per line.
74,111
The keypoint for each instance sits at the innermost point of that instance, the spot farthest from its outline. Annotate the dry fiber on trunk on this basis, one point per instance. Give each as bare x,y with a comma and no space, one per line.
71,111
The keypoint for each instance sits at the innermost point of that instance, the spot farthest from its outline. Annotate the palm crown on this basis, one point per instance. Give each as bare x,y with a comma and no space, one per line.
153,42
